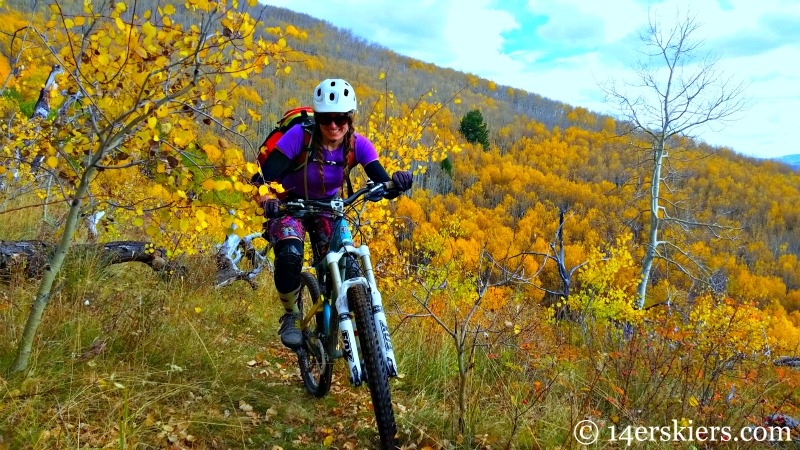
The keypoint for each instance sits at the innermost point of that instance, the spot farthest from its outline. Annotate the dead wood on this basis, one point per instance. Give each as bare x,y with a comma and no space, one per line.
29,258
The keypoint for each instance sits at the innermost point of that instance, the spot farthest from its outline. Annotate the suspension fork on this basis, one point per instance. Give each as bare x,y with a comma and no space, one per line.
378,314
345,323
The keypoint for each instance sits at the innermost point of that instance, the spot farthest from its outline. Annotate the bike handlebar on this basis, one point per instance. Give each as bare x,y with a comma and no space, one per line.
338,204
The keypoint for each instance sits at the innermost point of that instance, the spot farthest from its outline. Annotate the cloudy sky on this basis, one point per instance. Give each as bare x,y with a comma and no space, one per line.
563,49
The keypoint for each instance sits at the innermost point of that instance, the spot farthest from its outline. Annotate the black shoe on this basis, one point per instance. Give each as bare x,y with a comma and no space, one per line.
290,334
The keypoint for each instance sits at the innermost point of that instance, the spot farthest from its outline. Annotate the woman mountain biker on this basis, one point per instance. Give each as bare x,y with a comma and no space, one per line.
333,139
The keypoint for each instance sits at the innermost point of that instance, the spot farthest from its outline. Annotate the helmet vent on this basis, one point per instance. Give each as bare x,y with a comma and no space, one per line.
346,92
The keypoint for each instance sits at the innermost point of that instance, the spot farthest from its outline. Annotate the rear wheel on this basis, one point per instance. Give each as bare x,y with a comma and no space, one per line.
370,352
316,367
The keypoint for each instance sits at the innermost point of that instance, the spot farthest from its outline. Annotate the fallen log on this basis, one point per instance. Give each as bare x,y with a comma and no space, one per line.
231,253
787,361
29,258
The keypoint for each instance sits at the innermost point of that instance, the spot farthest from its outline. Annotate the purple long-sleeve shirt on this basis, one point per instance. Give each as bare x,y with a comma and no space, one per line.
324,178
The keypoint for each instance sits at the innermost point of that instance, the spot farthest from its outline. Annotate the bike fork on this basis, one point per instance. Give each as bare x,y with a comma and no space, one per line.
348,336
387,350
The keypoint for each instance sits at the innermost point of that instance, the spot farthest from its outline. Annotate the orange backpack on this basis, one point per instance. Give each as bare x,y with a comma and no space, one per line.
303,115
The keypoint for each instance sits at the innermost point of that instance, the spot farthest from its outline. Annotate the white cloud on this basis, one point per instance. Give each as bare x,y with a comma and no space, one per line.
584,42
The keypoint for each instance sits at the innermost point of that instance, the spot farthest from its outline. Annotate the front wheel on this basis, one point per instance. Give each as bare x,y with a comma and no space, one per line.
370,352
316,366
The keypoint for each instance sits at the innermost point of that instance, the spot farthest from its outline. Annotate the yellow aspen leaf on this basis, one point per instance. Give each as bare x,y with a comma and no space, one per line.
103,60
221,95
382,76
169,9
120,7
328,440
277,187
287,69
212,152
693,401
217,111
241,128
222,185
252,3
263,190
254,115
120,24
208,184
138,222
162,111
148,30
141,52
2,170
68,23
240,231
52,162
152,122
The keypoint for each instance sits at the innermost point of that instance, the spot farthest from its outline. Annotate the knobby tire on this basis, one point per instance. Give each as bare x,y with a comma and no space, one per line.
377,378
316,368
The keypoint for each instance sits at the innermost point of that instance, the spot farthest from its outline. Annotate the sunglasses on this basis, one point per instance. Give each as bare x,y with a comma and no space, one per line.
326,119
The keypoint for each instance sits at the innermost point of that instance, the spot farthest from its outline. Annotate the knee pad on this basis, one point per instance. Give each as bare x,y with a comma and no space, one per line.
288,264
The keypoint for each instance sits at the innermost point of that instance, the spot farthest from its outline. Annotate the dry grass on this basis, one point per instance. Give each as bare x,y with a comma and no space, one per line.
127,359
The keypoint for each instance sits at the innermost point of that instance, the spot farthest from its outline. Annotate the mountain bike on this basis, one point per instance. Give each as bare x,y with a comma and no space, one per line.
339,302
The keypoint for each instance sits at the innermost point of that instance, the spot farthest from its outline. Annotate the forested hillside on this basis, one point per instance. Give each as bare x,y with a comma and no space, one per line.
548,154
509,271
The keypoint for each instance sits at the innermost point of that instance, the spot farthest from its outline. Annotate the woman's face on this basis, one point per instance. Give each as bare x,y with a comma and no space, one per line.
334,126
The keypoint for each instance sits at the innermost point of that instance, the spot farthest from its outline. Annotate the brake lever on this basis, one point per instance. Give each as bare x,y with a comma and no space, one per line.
377,193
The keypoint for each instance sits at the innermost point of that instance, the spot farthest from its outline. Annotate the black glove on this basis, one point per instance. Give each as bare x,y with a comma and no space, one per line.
402,180
272,208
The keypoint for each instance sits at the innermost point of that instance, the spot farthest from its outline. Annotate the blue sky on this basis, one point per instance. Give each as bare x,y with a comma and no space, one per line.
564,49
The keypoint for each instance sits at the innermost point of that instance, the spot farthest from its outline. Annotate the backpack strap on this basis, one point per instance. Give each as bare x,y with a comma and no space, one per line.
348,165
308,130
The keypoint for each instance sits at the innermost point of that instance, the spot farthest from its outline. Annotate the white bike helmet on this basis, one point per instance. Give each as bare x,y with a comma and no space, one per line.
334,95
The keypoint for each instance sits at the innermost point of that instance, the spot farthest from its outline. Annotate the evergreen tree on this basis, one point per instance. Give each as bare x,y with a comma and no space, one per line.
474,129
447,166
